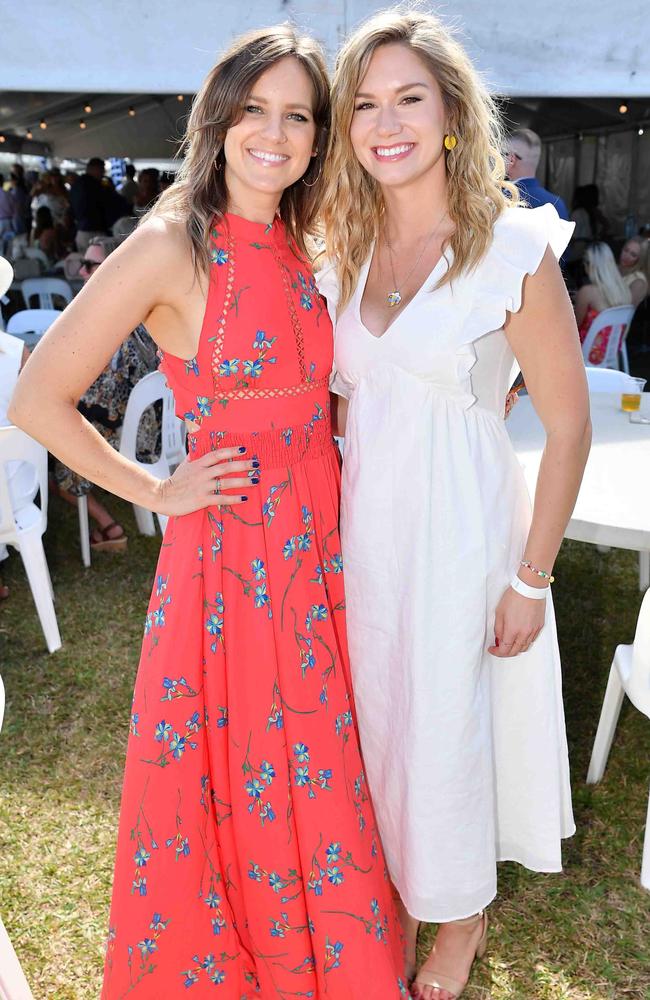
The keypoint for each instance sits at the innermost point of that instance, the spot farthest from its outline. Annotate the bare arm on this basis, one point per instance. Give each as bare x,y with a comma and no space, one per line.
638,290
339,411
582,302
544,339
139,276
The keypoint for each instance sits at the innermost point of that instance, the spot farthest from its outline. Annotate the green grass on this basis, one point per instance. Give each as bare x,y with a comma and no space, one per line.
581,935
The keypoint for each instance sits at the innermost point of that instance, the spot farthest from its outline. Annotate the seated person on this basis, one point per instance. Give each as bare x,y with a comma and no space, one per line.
634,266
44,235
605,289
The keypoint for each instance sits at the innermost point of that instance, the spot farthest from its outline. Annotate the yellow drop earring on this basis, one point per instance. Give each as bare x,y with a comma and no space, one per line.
450,142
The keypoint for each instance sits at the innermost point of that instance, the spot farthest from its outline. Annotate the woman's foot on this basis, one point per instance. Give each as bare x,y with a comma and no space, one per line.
445,973
109,538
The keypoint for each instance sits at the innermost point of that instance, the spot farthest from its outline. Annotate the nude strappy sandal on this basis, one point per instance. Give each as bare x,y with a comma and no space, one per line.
429,977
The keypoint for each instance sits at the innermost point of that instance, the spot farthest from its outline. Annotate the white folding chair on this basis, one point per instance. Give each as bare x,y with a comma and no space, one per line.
629,675
35,321
619,318
149,390
45,289
609,380
24,529
13,985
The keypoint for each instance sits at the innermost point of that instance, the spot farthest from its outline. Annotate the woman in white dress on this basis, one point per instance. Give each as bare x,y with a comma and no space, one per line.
437,281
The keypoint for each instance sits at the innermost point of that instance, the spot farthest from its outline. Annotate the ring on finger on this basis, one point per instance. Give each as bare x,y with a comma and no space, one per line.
217,485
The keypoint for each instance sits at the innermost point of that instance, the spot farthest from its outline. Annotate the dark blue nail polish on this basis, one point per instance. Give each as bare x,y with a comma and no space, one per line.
255,481
256,464
244,498
242,450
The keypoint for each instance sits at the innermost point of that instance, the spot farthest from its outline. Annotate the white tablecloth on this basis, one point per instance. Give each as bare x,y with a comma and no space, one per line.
613,506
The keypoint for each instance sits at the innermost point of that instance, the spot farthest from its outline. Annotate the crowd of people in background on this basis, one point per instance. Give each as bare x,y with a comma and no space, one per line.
61,213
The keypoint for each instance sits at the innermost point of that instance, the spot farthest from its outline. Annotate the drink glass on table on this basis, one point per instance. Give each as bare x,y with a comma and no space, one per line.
631,400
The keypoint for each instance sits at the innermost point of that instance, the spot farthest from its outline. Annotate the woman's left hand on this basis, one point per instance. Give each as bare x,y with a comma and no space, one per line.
517,623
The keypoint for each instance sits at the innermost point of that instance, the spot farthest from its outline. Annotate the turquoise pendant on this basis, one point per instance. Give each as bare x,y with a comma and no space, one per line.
394,298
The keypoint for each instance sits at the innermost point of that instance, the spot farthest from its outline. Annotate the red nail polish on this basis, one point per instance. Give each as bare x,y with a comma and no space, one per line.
496,640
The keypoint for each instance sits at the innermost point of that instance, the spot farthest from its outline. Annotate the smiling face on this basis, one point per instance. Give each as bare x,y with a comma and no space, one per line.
269,149
400,120
630,255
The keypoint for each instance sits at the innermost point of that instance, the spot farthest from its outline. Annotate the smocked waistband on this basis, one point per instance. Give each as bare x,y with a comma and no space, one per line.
272,447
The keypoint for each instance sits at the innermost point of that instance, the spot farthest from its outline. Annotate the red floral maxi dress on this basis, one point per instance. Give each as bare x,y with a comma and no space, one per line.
248,863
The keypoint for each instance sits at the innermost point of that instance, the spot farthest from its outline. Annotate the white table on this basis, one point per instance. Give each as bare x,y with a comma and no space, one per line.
613,506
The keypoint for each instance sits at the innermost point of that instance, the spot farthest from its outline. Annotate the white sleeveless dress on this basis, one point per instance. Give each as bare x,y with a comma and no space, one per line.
466,753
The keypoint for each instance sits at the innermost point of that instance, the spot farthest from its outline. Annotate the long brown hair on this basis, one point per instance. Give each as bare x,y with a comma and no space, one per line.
353,203
199,191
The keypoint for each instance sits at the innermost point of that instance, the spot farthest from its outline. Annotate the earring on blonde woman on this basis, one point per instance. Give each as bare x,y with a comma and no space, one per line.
450,141
316,180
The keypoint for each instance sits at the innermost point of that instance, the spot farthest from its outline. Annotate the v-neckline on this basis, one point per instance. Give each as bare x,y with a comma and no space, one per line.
363,281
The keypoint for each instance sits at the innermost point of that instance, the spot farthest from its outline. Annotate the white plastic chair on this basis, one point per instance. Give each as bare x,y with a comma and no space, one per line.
619,318
13,985
147,391
35,321
45,289
24,529
609,380
629,675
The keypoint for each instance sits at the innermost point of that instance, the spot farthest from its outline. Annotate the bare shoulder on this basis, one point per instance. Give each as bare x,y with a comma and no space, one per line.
157,255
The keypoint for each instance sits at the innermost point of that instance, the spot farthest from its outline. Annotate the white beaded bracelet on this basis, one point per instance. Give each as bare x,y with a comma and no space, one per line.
538,593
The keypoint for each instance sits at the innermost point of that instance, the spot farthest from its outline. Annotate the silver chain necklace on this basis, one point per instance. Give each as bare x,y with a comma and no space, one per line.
394,297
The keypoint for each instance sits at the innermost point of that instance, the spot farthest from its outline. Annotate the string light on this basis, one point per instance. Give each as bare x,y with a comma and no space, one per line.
82,123
623,109
180,97
88,108
28,134
131,112
641,131
2,138
42,123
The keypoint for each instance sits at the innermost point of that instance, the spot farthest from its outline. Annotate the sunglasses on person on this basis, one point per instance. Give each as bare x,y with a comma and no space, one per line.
89,265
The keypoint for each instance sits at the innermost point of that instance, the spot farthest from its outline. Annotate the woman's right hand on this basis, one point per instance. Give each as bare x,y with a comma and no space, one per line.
215,479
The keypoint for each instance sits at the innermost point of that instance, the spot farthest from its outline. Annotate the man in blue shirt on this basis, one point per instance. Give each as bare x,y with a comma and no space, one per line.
522,156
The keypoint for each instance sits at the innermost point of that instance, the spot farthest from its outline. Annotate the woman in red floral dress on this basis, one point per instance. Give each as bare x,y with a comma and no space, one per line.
247,855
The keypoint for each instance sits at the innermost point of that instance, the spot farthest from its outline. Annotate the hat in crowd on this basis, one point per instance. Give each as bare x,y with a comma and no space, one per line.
6,275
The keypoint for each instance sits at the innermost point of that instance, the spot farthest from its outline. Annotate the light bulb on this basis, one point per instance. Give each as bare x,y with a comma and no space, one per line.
28,133
42,123
88,108
82,123
180,97
623,108
131,112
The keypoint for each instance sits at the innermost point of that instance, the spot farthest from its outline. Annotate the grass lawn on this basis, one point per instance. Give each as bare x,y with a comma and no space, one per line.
582,935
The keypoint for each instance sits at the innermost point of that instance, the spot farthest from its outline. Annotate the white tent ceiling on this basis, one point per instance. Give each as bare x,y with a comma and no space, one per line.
56,58
593,47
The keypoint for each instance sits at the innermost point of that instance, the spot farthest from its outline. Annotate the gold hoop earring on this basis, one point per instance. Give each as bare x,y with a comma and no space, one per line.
450,142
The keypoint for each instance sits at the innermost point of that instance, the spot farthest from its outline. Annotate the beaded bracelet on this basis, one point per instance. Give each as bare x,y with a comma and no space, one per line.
538,572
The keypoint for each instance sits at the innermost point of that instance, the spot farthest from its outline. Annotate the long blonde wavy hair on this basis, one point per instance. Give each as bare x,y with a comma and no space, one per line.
477,192
199,191
602,271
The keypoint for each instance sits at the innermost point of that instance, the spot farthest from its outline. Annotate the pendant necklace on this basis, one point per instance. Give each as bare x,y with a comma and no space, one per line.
394,297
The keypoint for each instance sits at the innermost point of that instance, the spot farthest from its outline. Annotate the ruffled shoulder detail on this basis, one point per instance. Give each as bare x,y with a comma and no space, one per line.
521,237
